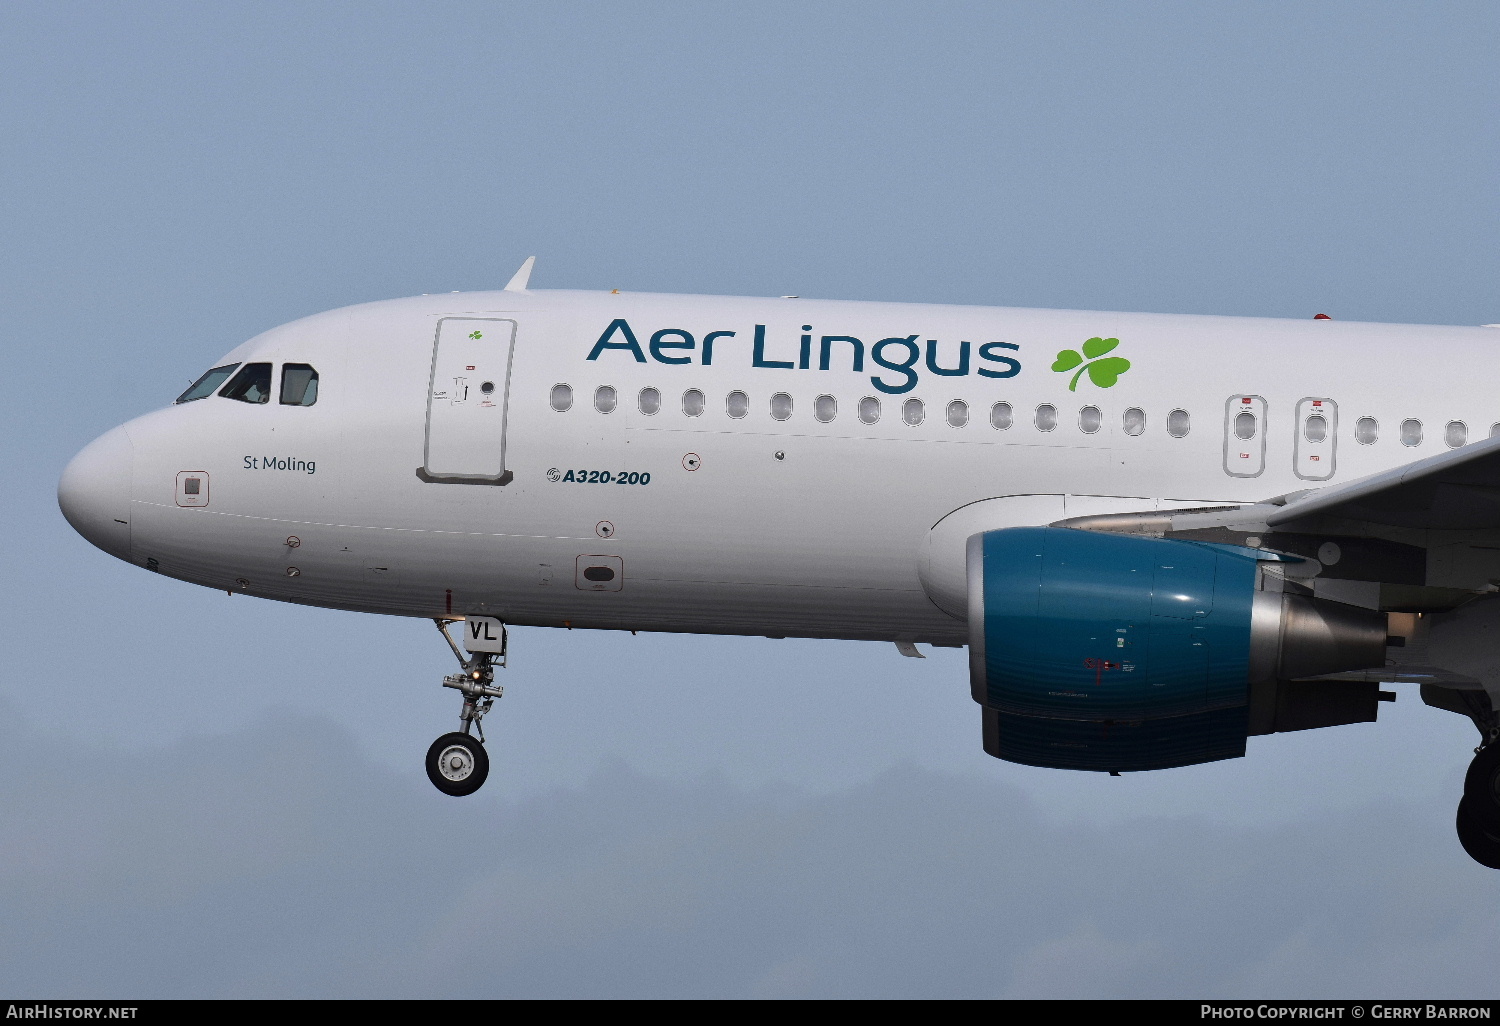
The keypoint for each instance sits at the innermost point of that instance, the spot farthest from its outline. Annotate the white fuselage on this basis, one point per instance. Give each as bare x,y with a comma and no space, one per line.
751,524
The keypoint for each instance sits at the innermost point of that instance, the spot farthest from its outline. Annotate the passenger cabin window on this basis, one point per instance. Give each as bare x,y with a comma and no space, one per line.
1315,428
561,398
204,386
958,413
649,401
825,408
1244,426
1046,417
913,412
299,385
1089,419
1134,421
1456,434
606,398
1494,430
251,385
869,410
1366,430
1411,432
736,404
1179,423
1001,416
781,406
692,403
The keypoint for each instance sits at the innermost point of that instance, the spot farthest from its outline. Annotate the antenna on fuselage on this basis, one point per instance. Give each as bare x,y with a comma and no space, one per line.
521,277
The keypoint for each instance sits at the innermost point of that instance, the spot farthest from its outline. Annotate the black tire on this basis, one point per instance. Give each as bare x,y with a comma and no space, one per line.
1483,847
457,764
1482,788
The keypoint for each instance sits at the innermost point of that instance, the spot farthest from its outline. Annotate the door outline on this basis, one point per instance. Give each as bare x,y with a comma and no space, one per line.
1245,457
504,476
1316,461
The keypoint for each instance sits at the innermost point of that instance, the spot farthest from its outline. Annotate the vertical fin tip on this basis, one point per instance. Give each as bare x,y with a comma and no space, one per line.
519,280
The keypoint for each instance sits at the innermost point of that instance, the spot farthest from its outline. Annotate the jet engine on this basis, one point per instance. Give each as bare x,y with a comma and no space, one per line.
1111,652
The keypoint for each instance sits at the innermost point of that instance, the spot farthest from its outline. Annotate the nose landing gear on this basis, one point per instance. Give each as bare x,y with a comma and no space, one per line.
457,763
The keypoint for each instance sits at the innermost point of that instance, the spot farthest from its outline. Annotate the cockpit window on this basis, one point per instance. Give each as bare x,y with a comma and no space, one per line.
299,385
205,385
251,385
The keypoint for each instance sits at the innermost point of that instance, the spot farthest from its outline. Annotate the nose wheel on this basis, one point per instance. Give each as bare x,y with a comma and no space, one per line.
457,763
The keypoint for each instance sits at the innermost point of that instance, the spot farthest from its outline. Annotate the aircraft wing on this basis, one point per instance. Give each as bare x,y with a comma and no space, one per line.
1455,490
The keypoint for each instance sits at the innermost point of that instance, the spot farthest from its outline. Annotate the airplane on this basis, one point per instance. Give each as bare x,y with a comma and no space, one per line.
1157,535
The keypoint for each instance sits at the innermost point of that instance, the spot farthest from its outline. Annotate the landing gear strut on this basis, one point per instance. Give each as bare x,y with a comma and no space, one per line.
457,763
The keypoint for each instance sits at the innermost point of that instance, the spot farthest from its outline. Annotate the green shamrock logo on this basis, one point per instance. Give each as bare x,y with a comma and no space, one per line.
478,334
1103,373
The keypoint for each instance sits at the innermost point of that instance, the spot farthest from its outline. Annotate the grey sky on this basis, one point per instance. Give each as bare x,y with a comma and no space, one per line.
201,794
262,869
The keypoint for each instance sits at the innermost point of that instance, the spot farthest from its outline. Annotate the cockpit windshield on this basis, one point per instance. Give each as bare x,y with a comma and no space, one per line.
204,386
251,385
299,385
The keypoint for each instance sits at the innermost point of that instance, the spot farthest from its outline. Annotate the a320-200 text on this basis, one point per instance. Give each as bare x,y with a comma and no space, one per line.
621,477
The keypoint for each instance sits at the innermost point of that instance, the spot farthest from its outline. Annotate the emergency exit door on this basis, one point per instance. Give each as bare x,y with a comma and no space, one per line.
1245,436
466,399
1317,438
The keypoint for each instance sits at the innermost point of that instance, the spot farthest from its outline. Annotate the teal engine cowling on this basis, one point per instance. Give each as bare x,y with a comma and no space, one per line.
1113,652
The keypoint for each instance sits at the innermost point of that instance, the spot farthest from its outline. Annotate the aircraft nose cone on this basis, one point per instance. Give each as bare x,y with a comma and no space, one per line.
94,492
